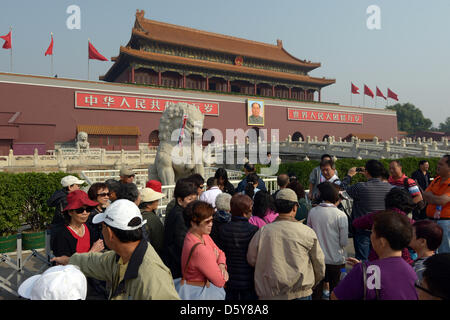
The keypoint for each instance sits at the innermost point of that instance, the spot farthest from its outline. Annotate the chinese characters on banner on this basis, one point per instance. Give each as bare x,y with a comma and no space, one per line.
324,116
136,103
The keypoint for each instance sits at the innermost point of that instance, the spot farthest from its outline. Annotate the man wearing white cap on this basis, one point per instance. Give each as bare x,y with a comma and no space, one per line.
154,229
59,199
133,267
56,283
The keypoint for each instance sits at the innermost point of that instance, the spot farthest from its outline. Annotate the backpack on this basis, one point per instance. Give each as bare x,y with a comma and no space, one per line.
416,213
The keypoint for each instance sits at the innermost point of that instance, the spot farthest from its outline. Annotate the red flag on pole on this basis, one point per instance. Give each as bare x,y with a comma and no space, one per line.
380,94
94,54
355,89
7,38
50,48
392,95
368,92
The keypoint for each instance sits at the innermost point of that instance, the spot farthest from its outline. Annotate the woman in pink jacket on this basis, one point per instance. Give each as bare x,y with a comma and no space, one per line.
263,209
202,263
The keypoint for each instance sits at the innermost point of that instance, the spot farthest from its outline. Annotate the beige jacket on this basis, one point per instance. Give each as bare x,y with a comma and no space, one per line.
287,258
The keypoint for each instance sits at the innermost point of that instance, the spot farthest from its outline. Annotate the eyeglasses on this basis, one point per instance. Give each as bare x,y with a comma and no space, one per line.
418,285
103,194
80,210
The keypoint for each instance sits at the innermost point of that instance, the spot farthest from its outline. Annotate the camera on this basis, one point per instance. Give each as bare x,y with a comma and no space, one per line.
359,169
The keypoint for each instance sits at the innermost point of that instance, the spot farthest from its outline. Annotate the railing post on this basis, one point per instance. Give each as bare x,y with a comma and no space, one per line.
36,157
11,158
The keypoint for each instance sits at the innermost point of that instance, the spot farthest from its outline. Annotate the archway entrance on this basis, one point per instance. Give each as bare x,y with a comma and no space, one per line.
153,139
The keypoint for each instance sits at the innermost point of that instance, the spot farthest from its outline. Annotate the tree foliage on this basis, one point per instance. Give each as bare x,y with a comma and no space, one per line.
410,118
445,126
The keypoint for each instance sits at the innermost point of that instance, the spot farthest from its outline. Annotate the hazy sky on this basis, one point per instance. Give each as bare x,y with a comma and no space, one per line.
410,54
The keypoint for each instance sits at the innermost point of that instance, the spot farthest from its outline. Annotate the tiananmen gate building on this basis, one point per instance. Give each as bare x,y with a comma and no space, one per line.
162,63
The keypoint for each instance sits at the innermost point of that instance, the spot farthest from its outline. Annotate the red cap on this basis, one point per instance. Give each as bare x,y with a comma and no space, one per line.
77,199
154,184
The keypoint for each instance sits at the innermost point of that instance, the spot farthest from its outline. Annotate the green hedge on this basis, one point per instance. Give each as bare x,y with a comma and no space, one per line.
23,199
303,169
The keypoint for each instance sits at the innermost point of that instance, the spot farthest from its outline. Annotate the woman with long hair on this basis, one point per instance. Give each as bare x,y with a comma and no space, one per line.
263,209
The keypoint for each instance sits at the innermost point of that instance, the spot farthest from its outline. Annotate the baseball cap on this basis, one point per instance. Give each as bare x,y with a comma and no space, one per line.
149,195
77,199
126,172
119,214
287,194
154,184
56,283
70,180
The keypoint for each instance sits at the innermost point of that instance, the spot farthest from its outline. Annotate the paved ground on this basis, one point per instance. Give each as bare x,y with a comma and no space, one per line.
34,265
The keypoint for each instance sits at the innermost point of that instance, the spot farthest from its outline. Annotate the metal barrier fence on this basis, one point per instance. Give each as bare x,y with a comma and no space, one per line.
141,178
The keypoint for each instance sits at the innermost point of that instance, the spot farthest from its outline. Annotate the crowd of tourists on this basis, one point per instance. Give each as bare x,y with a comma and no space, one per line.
221,242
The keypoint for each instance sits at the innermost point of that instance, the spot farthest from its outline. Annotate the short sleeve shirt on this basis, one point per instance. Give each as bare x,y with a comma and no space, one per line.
413,189
439,189
396,279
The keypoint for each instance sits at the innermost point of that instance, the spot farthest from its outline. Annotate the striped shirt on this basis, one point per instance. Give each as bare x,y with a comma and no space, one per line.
367,196
411,185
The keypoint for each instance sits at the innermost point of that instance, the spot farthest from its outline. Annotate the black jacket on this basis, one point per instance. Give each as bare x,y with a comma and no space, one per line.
174,233
234,238
59,201
219,219
422,180
64,244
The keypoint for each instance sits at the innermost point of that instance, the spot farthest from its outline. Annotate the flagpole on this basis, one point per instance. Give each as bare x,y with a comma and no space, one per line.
351,93
51,75
11,53
88,57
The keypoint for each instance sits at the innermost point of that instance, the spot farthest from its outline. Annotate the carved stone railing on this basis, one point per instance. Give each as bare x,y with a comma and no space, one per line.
62,158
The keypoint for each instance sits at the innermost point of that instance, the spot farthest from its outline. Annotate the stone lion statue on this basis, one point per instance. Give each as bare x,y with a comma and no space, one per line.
82,141
174,160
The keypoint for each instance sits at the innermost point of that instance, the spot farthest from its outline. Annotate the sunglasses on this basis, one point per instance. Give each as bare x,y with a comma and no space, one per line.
104,194
80,210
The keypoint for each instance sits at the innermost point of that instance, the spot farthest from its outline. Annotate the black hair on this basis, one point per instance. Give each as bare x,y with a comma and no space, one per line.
385,174
93,190
184,188
284,206
144,205
325,163
325,156
328,192
261,203
251,179
394,227
125,236
398,163
399,198
221,173
249,167
128,191
375,168
197,179
210,182
437,276
422,162
113,185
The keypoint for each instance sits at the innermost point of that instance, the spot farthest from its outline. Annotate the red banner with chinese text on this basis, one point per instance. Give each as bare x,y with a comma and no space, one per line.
136,103
324,116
